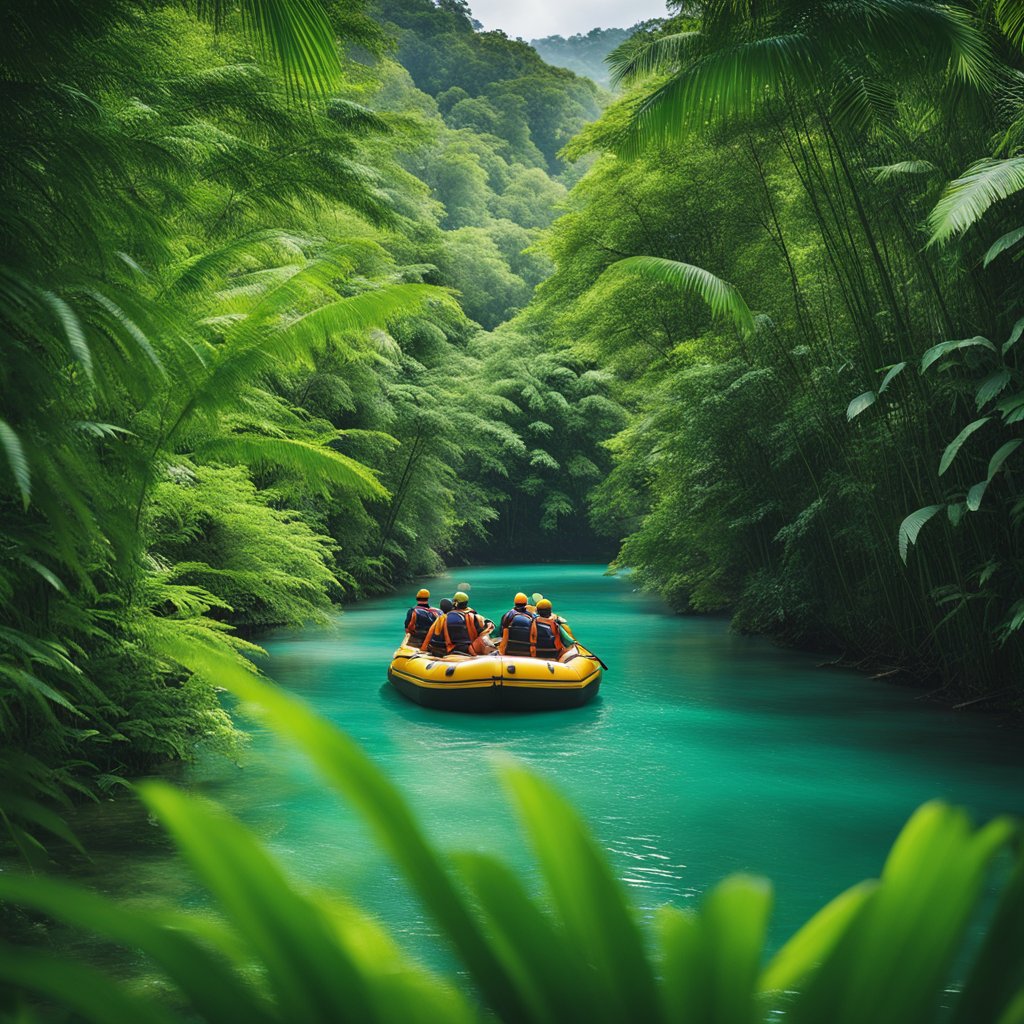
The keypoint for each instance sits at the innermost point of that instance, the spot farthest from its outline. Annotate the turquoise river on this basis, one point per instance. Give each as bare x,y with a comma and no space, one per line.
706,753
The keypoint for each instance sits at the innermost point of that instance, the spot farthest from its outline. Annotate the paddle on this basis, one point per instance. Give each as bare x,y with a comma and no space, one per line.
590,654
535,598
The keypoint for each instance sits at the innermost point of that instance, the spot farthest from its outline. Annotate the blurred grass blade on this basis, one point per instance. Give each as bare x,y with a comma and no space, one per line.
354,775
215,990
587,897
734,918
997,973
890,966
553,978
305,968
711,959
90,994
680,964
814,940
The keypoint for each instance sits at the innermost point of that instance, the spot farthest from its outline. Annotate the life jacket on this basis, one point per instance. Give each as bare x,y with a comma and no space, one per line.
506,618
547,638
518,635
459,629
418,621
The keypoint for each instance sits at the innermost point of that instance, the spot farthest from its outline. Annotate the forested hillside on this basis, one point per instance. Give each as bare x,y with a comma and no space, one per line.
586,53
841,465
254,359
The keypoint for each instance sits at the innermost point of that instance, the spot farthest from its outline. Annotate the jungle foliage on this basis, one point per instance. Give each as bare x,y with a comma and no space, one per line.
883,950
839,466
248,268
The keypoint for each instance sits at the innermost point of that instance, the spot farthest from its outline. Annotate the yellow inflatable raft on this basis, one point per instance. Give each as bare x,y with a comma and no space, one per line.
493,682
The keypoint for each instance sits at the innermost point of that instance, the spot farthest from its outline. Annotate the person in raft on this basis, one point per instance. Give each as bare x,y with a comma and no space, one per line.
420,618
519,607
517,633
549,627
435,641
460,628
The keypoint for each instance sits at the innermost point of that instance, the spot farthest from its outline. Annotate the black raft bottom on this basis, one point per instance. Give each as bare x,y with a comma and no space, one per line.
495,698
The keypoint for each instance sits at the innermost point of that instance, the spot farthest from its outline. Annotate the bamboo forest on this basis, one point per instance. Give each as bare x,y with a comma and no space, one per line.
696,334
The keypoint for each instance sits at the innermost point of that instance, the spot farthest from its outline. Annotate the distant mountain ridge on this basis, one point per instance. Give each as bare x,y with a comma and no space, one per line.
585,54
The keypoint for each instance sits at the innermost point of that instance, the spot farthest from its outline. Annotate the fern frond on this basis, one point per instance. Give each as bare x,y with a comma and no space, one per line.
321,466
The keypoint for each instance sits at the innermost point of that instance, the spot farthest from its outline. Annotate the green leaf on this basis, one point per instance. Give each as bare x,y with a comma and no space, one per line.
723,298
975,494
296,33
991,386
1000,245
911,527
554,979
11,444
860,403
956,444
894,372
1015,334
996,462
92,995
72,330
589,901
734,921
812,944
1010,15
997,973
945,347
965,200
215,990
633,59
305,967
904,167
321,466
891,965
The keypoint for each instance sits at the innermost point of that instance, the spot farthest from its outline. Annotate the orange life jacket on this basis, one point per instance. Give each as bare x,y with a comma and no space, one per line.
548,631
442,628
549,626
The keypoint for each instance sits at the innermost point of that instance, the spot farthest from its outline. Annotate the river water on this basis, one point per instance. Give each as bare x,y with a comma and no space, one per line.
705,753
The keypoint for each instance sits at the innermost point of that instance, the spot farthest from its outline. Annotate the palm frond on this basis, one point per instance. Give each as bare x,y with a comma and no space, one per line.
895,28
725,83
296,33
637,57
966,199
723,298
1010,15
16,460
887,172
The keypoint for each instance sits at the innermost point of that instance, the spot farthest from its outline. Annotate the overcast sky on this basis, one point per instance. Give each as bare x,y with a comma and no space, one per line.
534,19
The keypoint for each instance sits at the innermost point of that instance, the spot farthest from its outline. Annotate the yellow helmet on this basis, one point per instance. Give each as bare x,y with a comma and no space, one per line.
520,598
543,605
423,595
460,597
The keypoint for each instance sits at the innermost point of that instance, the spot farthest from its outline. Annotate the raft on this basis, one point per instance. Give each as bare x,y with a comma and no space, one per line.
495,682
